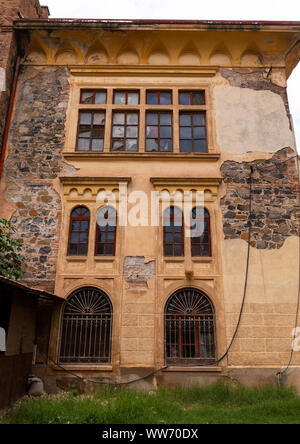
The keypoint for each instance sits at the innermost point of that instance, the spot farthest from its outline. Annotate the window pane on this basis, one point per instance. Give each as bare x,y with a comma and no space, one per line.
99,118
168,250
97,145
196,250
83,237
166,145
83,144
133,98
82,249
119,118
185,133
73,249
152,119
177,238
118,131
185,120
165,132
120,98
151,145
166,119
186,146
100,98
177,250
199,132
74,238
165,98
205,250
87,97
85,118
75,225
100,249
152,98
168,238
110,249
118,145
131,145
200,146
184,98
110,236
199,119
84,134
132,119
198,98
132,131
152,131
84,225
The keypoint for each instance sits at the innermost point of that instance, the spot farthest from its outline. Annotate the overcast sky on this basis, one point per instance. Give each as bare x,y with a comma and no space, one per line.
189,9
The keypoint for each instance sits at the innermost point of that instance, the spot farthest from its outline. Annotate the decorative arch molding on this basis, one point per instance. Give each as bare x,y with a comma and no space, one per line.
252,56
220,58
159,55
66,55
97,54
128,55
189,55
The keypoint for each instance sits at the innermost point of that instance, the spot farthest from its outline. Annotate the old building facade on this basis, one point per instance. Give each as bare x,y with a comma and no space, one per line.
117,121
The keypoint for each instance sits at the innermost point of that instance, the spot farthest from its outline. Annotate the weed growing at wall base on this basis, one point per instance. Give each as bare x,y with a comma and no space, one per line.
217,404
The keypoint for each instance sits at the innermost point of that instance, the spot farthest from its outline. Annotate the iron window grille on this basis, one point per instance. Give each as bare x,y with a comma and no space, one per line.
190,336
79,232
86,331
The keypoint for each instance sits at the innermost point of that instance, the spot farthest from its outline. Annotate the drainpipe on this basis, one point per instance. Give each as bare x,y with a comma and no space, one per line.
9,114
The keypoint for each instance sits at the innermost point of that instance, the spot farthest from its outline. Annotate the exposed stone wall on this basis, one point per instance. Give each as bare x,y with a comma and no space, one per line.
28,9
275,202
137,272
36,140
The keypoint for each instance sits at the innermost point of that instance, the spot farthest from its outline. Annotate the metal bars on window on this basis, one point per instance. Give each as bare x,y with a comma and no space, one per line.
86,328
189,328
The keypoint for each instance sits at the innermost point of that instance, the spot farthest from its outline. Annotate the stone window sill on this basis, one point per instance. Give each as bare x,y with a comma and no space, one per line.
76,258
211,369
105,258
174,259
80,367
208,157
205,260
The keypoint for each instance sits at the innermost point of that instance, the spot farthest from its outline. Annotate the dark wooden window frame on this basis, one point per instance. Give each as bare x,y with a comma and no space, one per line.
151,111
126,96
193,139
173,232
105,243
202,91
206,232
92,112
125,138
94,91
79,219
159,92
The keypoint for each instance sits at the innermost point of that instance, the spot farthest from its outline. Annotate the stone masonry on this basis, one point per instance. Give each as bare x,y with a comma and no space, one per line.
34,160
275,202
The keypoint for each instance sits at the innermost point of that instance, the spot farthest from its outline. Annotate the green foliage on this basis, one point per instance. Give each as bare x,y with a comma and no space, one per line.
217,404
11,261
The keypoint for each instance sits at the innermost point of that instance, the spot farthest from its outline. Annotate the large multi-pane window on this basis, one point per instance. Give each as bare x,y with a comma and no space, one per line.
125,131
142,120
91,131
192,132
79,232
159,134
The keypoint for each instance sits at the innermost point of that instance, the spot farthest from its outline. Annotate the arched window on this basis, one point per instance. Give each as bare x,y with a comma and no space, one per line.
106,232
86,328
189,328
79,232
200,233
173,232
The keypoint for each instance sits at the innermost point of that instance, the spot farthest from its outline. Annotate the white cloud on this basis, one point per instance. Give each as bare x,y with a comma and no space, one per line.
189,9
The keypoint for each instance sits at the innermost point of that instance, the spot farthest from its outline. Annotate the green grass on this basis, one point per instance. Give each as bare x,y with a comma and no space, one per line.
218,404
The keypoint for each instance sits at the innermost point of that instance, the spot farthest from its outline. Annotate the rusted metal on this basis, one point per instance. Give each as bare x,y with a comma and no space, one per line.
14,372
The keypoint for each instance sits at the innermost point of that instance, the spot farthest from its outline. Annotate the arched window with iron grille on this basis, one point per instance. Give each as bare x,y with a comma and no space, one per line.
173,232
79,232
86,328
190,336
106,232
200,232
